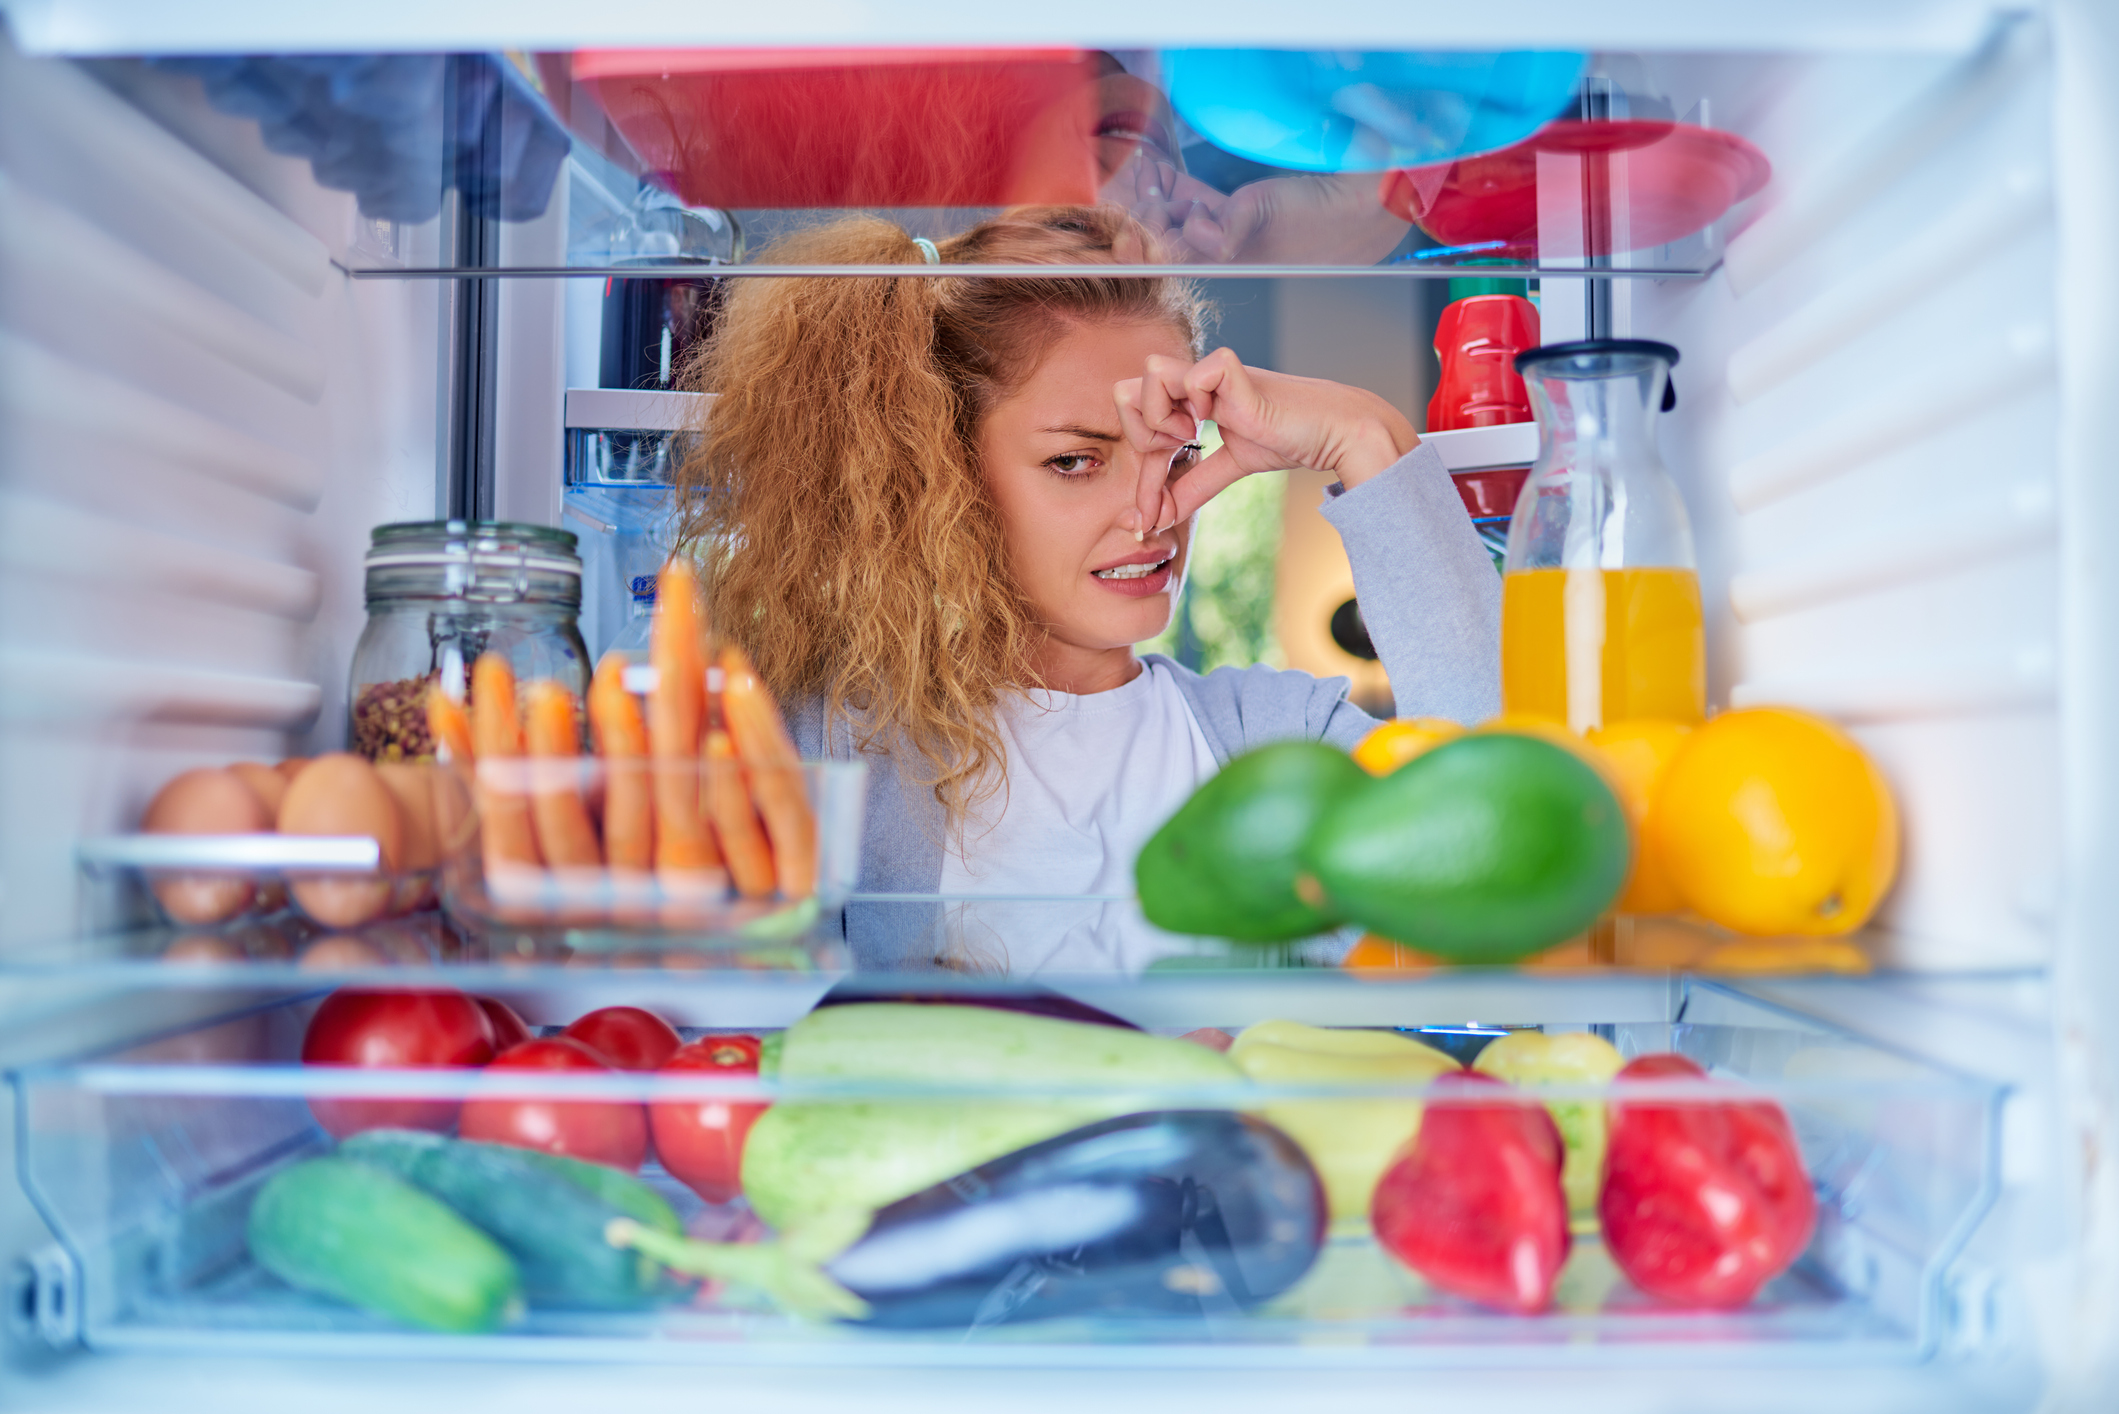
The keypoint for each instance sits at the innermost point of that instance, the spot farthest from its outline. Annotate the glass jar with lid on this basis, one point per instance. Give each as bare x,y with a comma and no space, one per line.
439,594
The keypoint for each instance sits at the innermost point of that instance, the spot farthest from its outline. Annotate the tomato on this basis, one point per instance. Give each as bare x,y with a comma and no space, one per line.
509,1029
358,1027
701,1141
610,1132
627,1037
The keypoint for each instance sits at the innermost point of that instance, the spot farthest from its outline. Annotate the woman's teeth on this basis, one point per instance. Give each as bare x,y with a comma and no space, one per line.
1130,571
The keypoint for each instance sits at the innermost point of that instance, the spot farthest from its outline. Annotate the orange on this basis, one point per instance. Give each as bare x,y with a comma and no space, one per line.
1375,953
1772,822
1636,756
1399,740
1786,955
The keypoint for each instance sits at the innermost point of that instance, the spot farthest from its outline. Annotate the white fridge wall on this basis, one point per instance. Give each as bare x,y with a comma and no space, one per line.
1868,446
205,418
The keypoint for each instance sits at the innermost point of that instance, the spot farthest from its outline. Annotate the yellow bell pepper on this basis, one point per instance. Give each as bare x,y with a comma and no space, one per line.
1351,1142
1569,1058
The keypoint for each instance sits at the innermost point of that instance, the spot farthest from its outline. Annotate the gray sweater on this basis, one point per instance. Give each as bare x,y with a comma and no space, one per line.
1432,603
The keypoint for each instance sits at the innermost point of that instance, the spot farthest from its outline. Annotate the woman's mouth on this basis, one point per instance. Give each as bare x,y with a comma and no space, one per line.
1137,581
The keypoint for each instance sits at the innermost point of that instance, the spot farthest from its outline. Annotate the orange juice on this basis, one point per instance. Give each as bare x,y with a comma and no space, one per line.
1638,630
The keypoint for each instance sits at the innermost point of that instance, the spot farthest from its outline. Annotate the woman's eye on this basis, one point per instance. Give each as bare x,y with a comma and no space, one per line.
1073,464
1185,458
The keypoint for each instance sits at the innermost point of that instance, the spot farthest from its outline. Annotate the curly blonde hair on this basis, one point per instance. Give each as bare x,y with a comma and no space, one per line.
857,555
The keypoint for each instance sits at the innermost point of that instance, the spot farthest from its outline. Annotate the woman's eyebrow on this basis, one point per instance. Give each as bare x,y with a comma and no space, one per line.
1087,434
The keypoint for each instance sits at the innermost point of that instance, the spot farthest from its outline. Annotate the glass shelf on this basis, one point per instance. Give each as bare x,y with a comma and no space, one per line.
683,164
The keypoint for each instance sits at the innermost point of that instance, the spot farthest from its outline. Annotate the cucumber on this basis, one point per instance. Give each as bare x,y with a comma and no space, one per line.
366,1237
553,1226
806,1158
614,1186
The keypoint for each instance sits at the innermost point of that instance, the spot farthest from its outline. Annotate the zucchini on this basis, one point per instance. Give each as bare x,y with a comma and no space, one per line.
366,1237
553,1226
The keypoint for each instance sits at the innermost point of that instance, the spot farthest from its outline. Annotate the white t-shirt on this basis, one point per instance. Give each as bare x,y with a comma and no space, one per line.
1090,778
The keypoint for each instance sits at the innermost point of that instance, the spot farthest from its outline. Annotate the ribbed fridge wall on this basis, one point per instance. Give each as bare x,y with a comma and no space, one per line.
204,416
1867,430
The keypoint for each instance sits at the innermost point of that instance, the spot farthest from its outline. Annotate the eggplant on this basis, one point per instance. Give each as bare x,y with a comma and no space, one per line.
1025,997
1176,1213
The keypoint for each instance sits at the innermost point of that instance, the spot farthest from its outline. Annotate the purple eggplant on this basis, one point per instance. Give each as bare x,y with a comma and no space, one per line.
1176,1213
1026,997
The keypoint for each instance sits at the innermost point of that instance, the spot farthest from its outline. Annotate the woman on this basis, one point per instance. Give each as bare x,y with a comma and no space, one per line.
948,510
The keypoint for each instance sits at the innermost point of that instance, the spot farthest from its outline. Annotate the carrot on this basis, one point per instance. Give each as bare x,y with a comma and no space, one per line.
449,725
496,736
750,859
676,715
774,771
621,739
564,833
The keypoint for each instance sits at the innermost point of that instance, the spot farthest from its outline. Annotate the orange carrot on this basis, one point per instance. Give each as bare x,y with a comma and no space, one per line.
564,834
496,736
676,715
774,771
621,739
750,859
449,725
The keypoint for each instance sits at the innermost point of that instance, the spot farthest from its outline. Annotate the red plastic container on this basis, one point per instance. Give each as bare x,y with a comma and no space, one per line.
1675,179
1490,493
1477,340
754,128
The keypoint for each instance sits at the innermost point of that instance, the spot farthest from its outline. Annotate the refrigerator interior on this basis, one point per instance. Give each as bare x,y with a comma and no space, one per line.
219,374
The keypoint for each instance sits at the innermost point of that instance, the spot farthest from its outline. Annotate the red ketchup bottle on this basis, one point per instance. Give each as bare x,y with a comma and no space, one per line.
1477,340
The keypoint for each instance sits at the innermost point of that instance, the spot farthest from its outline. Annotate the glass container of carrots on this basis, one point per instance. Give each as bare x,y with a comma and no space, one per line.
440,594
1600,608
689,815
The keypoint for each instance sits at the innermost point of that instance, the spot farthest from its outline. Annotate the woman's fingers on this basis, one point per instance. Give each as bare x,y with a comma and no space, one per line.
1187,493
1154,450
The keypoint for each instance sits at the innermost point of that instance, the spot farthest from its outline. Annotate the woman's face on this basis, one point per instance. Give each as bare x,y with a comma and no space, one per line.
1062,476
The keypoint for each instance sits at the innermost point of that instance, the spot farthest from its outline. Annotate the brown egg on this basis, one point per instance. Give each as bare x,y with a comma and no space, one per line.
270,785
340,952
292,767
206,801
211,949
340,794
413,785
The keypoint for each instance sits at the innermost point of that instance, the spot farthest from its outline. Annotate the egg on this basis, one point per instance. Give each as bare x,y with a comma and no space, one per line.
412,784
340,794
291,767
341,952
270,785
210,949
206,801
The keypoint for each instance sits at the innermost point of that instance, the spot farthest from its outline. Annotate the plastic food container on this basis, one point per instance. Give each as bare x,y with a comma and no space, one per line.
147,1162
530,908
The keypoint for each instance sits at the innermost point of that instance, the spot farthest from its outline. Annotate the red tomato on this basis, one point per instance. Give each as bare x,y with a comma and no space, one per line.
509,1029
610,1132
391,1028
627,1037
701,1141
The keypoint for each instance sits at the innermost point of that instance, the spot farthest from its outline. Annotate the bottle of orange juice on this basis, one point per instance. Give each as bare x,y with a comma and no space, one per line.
1600,598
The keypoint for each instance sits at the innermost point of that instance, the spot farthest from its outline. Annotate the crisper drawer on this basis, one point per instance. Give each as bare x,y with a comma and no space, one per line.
149,1160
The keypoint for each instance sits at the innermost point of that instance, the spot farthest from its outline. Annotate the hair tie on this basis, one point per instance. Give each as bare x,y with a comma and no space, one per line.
927,250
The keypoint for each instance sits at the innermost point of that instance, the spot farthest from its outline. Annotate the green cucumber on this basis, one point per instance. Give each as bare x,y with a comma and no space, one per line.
614,1186
555,1227
804,1159
364,1236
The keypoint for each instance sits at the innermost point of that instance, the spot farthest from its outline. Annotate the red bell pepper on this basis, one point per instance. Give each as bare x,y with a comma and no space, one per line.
1475,1204
701,1141
1704,1200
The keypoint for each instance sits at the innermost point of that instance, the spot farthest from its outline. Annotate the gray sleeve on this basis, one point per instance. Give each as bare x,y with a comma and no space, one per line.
1427,587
